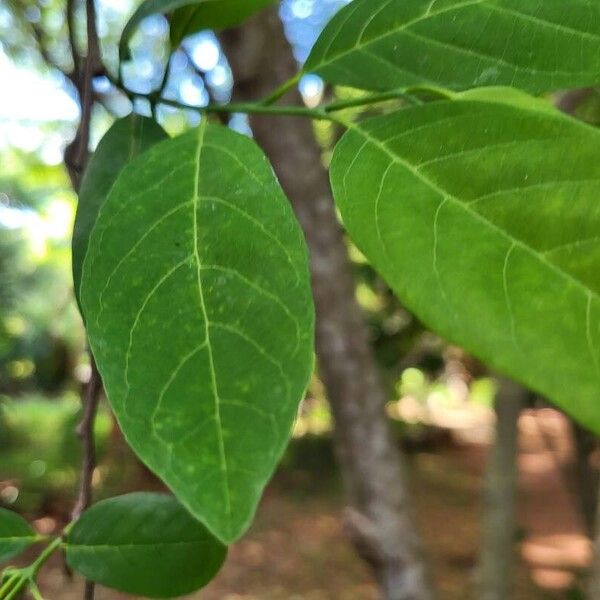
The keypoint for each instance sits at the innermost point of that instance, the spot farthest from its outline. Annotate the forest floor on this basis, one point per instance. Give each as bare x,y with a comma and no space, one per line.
296,550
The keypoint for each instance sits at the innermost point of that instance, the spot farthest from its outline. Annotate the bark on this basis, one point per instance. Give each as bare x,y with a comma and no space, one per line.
379,518
500,525
594,579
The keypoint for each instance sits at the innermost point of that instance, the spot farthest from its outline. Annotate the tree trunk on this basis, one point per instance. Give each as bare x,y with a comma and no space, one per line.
594,579
500,527
379,520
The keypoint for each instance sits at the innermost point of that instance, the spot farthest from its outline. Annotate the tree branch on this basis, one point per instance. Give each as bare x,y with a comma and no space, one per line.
70,14
85,430
76,156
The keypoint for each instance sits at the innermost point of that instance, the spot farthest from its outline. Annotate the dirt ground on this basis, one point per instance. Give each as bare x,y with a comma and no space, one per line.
296,550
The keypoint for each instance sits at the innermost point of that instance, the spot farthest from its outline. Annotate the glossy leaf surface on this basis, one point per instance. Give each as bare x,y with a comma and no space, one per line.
534,45
199,313
144,544
484,217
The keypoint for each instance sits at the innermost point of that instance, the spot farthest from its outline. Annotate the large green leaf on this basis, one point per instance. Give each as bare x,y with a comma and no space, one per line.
484,217
144,544
15,534
126,139
211,14
190,16
199,313
535,45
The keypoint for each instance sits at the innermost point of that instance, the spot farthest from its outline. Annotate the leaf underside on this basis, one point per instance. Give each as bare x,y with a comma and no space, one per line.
199,313
126,139
144,544
534,45
484,217
15,534
190,16
214,14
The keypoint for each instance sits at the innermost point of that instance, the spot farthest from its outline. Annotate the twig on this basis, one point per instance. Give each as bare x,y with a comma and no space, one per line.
70,10
76,156
85,430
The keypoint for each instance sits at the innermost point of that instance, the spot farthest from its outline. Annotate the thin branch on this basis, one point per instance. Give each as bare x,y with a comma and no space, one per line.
76,153
76,156
70,14
85,431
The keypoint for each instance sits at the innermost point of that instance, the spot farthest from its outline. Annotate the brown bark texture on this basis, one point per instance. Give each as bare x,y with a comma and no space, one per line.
500,519
379,519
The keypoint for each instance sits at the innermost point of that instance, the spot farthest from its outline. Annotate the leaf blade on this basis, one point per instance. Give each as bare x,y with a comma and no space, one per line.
190,16
144,543
534,45
16,534
215,331
217,15
474,196
126,139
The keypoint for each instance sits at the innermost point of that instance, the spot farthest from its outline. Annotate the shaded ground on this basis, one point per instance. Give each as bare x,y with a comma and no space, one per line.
296,548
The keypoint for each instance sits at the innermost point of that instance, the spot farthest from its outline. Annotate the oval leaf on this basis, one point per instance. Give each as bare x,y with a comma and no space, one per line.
126,139
144,544
484,218
15,534
535,45
211,14
199,312
192,16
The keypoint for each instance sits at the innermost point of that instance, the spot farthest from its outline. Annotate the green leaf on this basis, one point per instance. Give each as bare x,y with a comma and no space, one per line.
211,14
483,216
144,544
190,16
15,534
126,139
199,312
535,45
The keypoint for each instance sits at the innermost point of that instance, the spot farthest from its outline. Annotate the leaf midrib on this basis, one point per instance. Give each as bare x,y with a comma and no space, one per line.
213,375
404,27
109,546
456,201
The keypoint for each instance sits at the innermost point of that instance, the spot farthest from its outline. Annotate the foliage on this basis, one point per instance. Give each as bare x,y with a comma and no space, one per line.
15,534
135,543
39,456
480,210
533,45
126,139
233,329
195,286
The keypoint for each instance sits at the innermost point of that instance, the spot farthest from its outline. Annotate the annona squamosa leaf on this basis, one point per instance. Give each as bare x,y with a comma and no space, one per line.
535,45
484,216
145,544
15,534
211,14
126,139
189,16
199,313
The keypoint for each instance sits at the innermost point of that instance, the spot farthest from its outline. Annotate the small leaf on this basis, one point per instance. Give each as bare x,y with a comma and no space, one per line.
483,215
126,139
144,544
199,313
535,45
211,14
15,534
192,16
